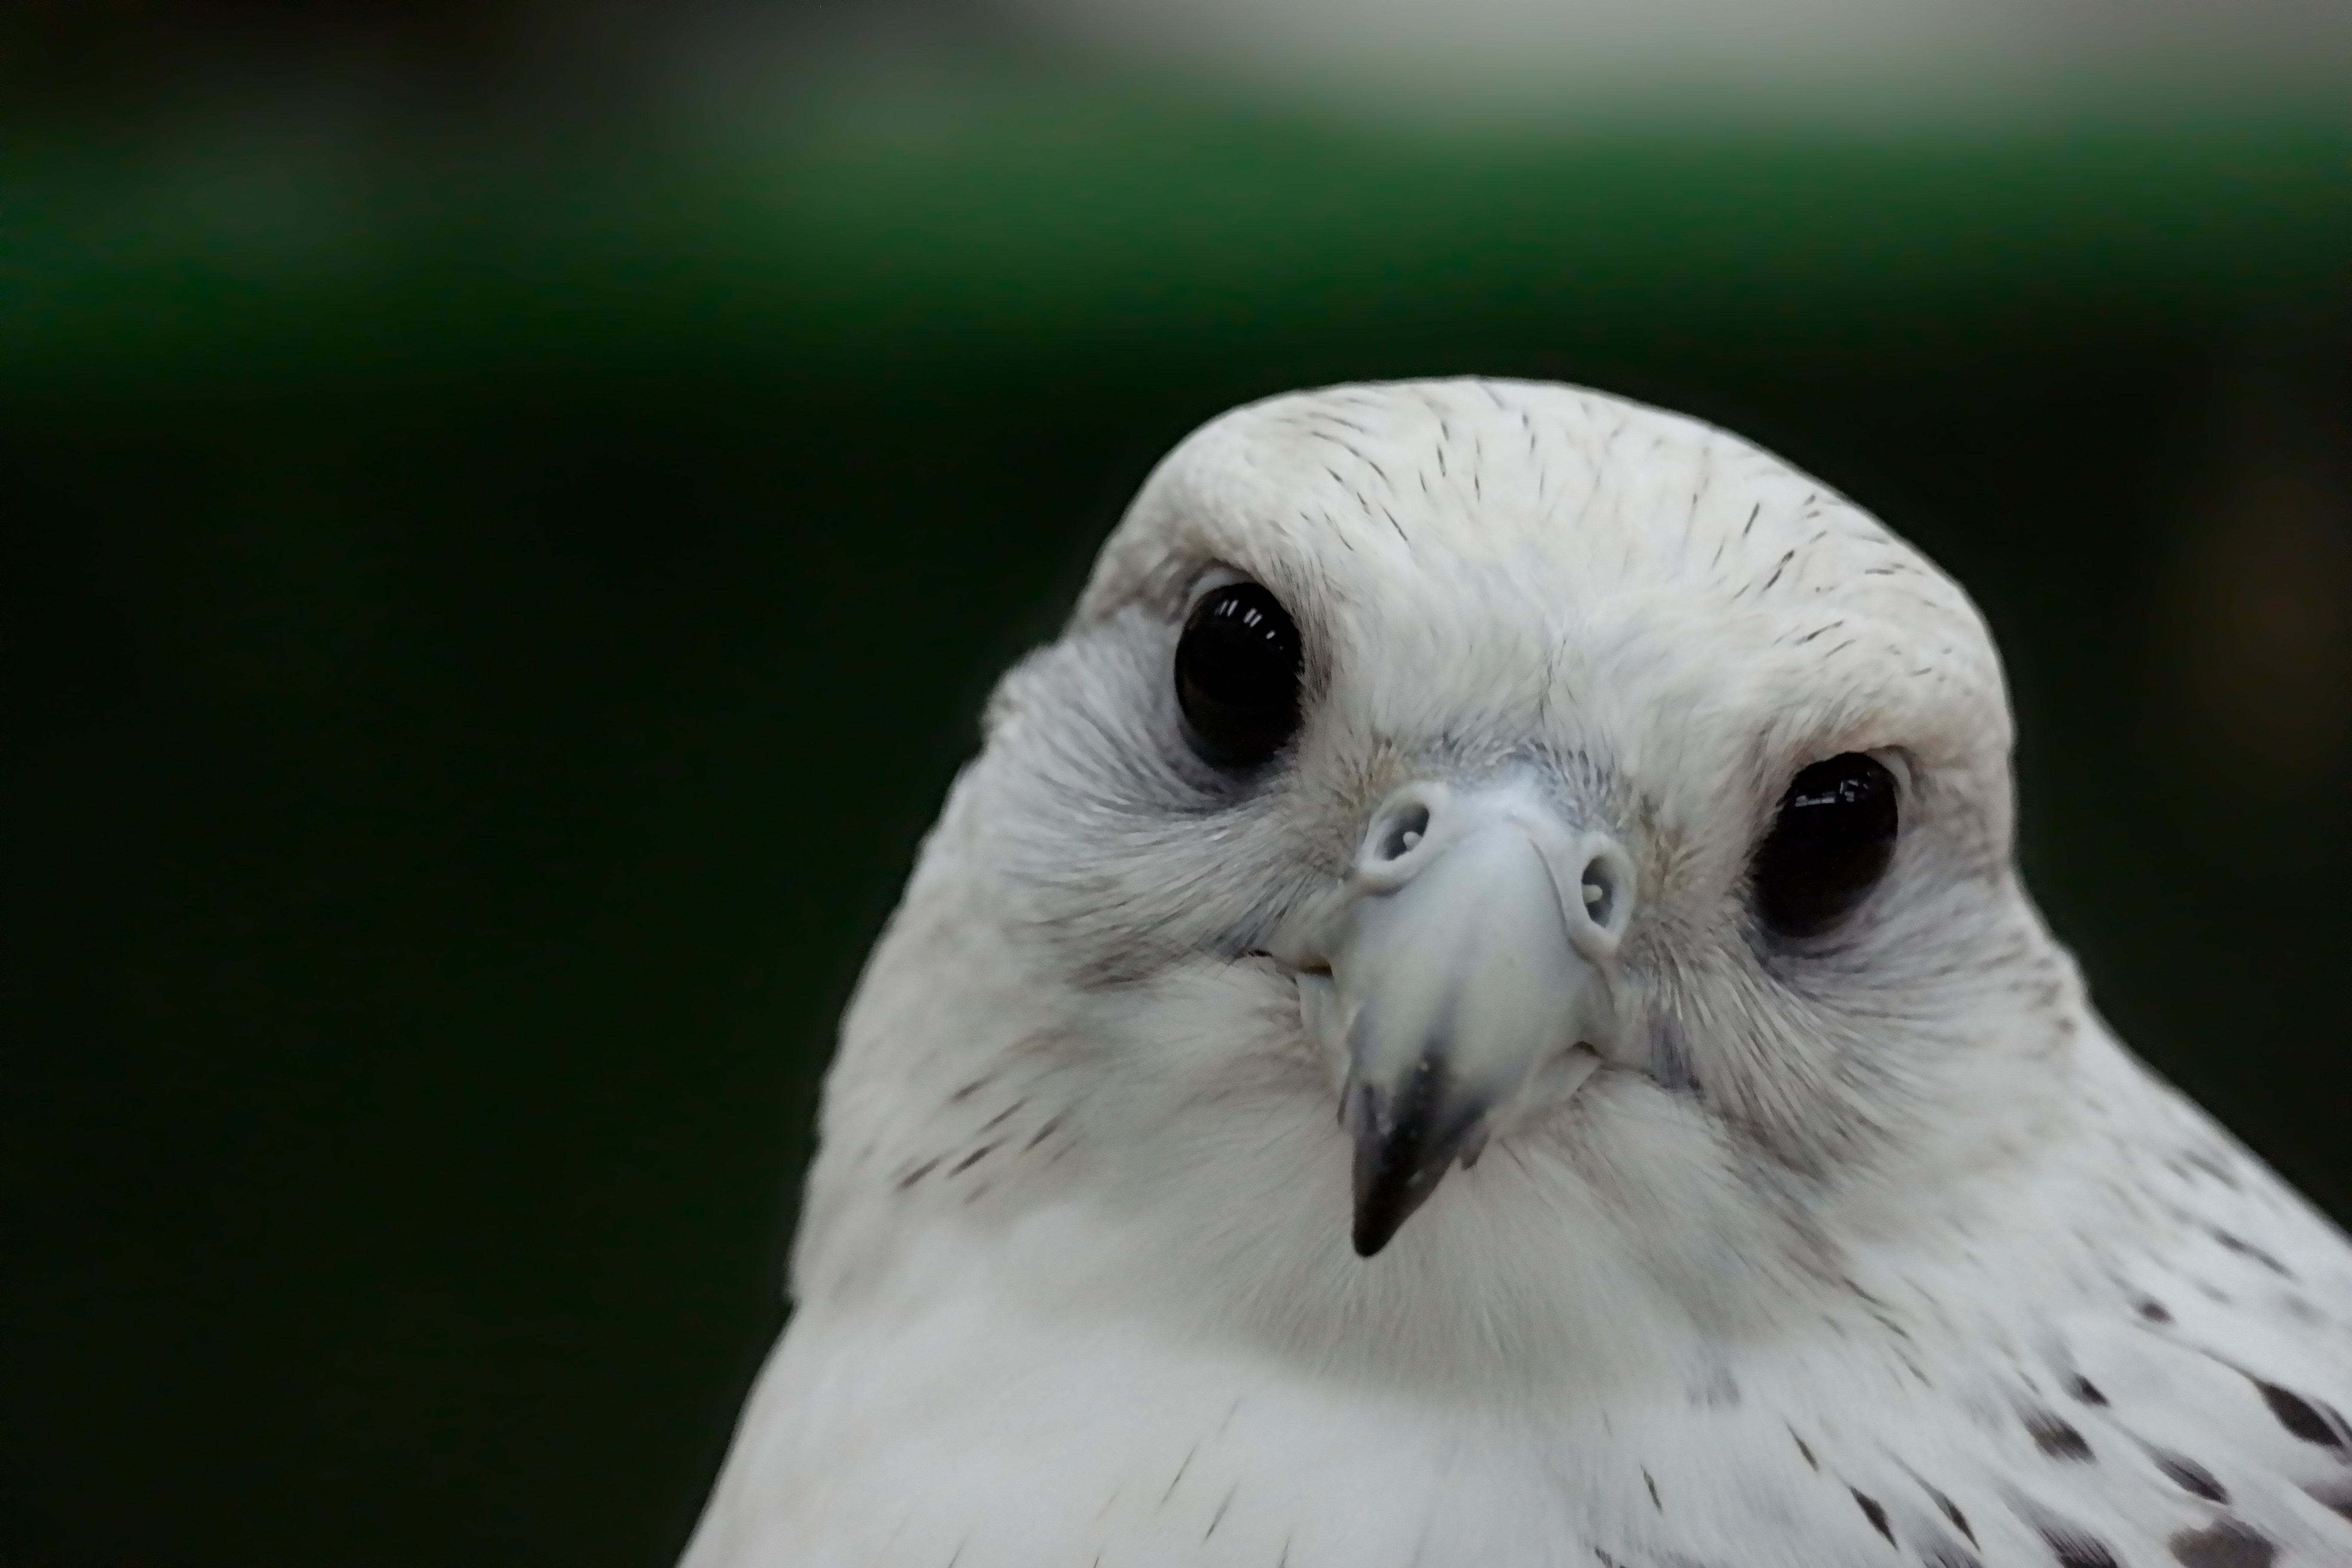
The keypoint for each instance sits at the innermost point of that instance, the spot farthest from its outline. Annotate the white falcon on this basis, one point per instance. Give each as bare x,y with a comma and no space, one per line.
1476,1010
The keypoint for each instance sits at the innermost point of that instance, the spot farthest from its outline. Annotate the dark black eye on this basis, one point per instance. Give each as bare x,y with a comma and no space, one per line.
1829,844
1237,676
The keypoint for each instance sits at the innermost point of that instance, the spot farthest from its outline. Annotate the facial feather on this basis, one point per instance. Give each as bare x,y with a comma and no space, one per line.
1813,1267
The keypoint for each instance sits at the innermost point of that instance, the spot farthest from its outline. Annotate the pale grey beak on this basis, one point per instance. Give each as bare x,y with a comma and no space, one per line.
1460,978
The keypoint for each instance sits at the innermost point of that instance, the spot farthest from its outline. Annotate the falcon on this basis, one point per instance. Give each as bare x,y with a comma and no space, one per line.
1476,1008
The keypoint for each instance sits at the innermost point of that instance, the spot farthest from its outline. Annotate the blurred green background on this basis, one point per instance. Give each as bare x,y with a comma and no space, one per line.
508,514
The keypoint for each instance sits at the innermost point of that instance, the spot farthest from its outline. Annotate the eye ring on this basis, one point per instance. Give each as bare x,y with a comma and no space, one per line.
1831,842
1236,672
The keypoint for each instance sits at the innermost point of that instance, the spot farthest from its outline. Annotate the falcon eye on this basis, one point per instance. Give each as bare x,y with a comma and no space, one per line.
1237,676
1830,844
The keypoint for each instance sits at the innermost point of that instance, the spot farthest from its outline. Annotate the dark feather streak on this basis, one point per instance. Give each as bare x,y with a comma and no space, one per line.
2224,1544
2074,1550
2190,1477
2056,1437
2300,1416
1872,1512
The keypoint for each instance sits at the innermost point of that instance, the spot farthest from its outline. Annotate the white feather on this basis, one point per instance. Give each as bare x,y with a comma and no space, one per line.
1907,1261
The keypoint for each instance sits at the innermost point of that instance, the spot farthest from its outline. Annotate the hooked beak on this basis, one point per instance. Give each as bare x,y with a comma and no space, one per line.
1460,979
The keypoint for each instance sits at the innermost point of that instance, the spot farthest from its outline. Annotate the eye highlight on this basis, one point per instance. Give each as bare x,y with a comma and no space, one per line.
1830,841
1238,672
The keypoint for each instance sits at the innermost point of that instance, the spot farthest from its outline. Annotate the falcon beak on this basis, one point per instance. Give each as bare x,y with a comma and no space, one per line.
1460,979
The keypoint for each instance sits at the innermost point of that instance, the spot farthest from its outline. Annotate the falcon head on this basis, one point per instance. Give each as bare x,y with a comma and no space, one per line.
1472,836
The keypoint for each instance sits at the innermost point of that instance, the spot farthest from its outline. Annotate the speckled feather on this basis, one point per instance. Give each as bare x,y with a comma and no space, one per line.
1895,1258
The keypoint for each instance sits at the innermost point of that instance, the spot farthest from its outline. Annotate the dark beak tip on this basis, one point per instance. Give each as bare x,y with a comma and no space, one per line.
1373,1232
1388,1198
1405,1146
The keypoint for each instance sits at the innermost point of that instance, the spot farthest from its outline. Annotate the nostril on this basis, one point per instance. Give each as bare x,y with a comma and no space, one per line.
1600,893
1404,832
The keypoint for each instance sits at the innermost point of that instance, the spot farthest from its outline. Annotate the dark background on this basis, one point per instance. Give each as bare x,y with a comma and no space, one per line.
504,532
